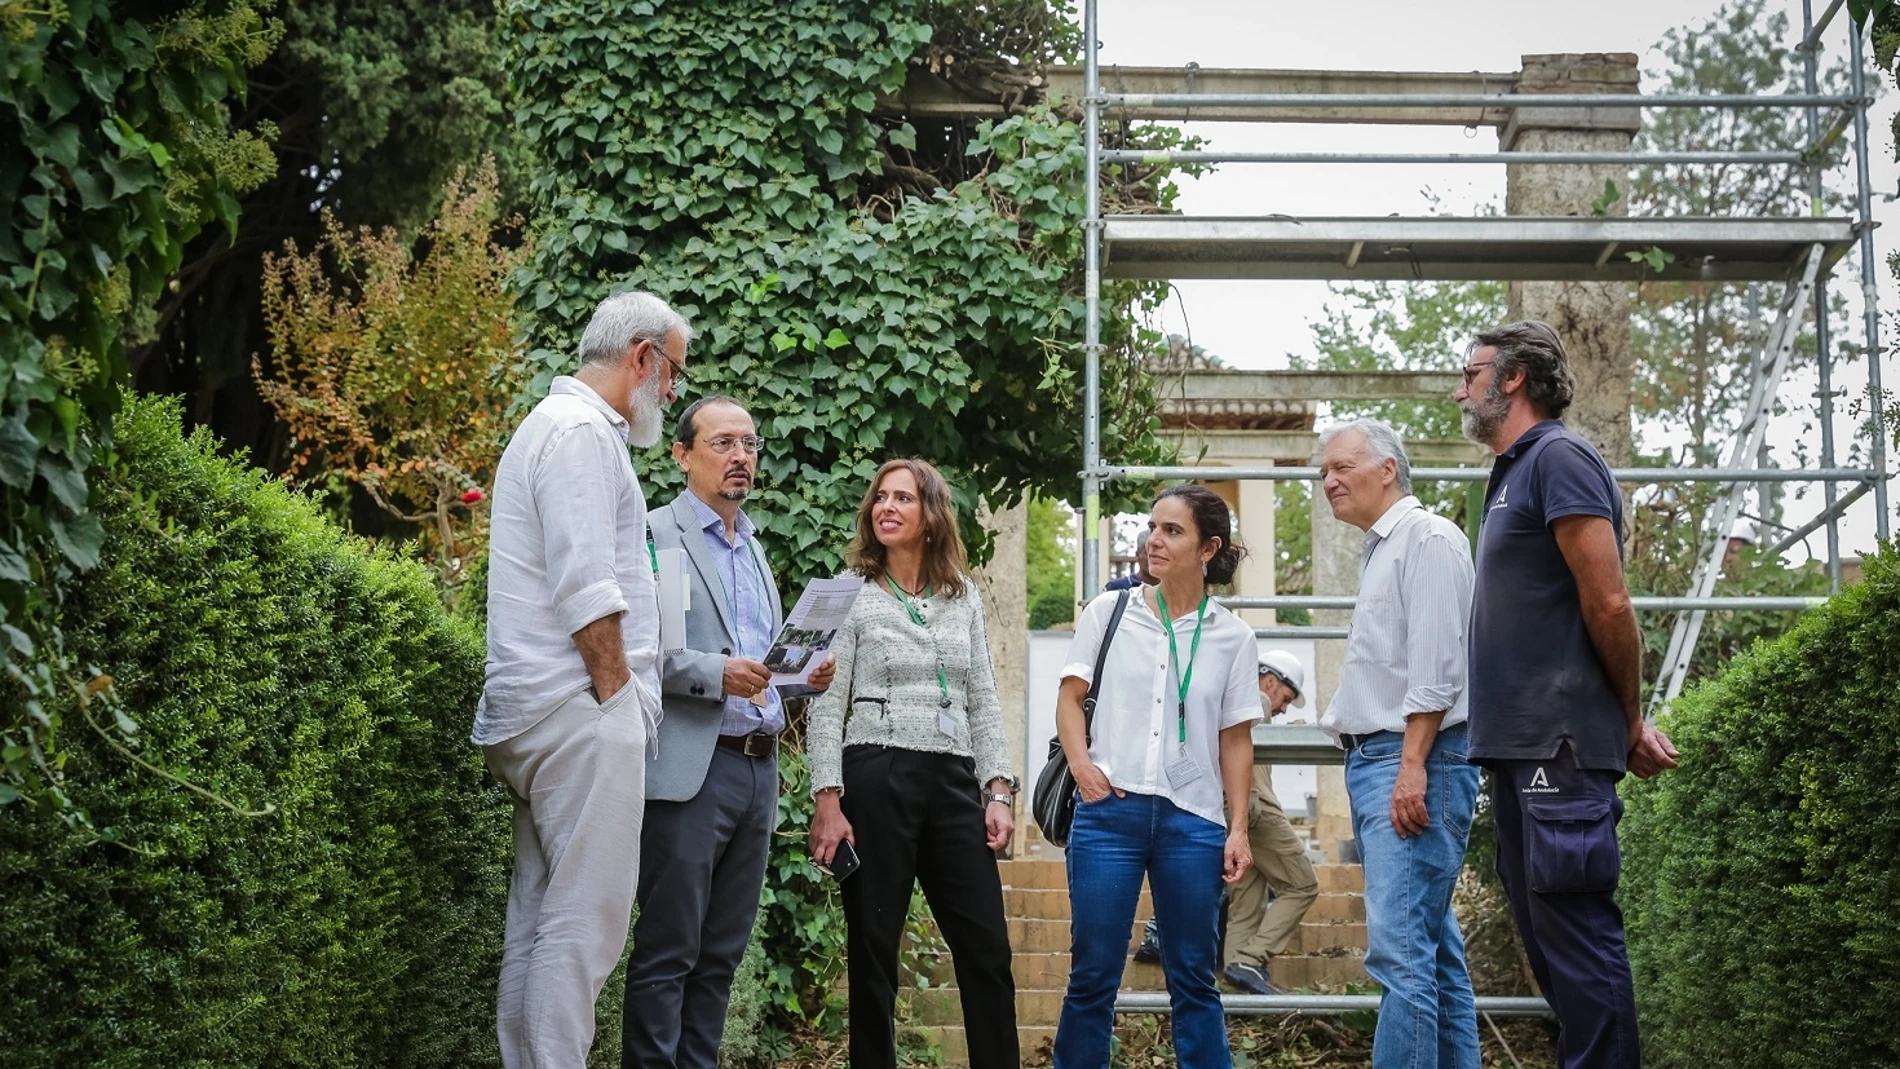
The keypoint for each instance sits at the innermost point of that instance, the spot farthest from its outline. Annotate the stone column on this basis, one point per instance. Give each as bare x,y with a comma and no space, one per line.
1004,583
1336,551
1592,318
1254,520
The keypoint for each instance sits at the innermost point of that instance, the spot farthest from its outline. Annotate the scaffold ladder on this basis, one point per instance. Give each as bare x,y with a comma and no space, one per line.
1749,436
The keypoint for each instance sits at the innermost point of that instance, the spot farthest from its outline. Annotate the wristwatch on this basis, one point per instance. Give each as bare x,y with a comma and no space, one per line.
1001,796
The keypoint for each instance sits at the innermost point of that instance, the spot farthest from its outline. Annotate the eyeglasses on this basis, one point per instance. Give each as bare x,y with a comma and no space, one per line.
676,368
726,443
1471,370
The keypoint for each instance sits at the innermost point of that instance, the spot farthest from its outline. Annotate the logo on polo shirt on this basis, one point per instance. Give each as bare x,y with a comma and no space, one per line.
1540,783
1500,502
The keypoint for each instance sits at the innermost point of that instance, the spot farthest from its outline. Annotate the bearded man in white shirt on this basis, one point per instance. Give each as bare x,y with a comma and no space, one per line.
572,691
1400,713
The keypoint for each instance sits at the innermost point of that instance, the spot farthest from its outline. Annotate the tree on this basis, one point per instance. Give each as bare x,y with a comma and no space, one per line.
367,108
397,379
1050,563
117,146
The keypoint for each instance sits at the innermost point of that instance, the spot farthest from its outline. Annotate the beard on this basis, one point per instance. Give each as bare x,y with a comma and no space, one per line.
735,495
644,402
1484,415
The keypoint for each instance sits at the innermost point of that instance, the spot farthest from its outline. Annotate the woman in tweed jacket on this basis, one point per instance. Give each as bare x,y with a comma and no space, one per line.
909,763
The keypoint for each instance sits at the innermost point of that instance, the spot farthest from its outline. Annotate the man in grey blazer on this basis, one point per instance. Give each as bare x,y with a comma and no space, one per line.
712,788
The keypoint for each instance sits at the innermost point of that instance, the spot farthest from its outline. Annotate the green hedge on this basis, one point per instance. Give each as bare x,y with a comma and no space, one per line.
1762,878
271,659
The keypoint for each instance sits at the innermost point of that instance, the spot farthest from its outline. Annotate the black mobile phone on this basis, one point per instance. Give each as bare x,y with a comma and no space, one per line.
844,861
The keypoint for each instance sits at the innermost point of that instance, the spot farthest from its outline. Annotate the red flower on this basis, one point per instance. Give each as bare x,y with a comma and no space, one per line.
472,496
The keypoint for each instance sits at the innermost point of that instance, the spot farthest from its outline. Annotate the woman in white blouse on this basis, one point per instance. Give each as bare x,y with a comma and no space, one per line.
909,763
1163,772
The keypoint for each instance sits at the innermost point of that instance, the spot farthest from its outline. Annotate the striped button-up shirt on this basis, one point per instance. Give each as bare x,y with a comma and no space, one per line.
1406,650
742,584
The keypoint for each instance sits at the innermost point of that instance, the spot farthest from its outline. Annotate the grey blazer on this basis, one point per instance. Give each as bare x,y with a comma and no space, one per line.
692,688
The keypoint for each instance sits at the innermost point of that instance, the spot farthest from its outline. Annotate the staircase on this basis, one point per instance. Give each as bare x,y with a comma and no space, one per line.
1326,954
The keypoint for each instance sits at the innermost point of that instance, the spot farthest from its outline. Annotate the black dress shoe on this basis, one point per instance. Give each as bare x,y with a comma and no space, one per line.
1150,949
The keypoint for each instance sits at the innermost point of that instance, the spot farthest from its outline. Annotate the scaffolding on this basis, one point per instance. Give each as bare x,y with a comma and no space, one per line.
1797,251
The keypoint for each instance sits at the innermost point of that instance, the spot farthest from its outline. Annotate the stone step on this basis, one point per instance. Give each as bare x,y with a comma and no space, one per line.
1334,878
941,1005
1034,874
1338,906
953,1046
1053,903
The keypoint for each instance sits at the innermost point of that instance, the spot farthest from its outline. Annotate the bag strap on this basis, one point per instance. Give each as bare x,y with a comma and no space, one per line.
1101,661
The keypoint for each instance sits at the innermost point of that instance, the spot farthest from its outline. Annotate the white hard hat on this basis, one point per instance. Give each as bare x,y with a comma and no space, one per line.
1289,669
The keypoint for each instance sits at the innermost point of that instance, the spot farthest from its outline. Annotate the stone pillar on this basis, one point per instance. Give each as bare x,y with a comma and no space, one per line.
1592,318
1004,584
1254,521
1336,550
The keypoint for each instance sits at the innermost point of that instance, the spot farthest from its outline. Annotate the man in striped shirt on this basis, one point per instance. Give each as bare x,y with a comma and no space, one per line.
1400,714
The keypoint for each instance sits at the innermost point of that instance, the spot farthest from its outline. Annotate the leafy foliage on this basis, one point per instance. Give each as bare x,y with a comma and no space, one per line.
1759,877
117,150
1050,563
1695,341
727,156
398,381
277,661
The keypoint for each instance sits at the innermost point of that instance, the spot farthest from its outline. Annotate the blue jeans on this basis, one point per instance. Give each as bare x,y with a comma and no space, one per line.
1427,1019
1113,844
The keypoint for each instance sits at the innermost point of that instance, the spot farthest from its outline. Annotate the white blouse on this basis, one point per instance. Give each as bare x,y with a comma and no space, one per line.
1135,734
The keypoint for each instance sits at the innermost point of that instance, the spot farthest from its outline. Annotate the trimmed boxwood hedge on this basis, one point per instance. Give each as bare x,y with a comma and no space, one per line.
269,658
1761,879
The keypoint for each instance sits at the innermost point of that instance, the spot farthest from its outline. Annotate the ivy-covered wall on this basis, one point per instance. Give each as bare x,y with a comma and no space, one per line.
275,662
873,287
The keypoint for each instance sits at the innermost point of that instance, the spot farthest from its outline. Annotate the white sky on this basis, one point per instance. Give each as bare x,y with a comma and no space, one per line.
1257,324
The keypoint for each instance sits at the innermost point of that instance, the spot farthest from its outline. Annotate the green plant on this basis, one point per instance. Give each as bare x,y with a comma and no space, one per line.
276,661
395,376
872,287
116,146
1760,876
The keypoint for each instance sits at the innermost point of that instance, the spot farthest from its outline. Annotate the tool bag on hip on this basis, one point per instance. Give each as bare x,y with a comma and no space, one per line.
1053,802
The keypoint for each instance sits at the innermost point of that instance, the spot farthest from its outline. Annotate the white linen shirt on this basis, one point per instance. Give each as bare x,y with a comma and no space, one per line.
1405,652
1134,737
567,546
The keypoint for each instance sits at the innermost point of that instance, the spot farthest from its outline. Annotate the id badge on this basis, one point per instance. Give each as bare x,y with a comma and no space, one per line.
947,724
1182,770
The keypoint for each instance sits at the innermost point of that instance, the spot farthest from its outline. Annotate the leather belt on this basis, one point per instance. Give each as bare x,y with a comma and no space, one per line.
755,745
1353,742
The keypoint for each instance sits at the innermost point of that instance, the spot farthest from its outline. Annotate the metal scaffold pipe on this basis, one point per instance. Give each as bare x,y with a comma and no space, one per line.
1877,447
1092,299
1822,343
1634,476
1789,159
1265,1005
1472,100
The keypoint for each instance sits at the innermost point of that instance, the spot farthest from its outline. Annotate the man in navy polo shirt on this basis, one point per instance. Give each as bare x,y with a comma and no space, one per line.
1554,682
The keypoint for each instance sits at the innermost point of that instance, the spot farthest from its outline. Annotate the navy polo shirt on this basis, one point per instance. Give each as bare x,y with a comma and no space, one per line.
1535,677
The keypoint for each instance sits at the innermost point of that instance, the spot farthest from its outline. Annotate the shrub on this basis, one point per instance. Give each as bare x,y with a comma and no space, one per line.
1760,877
272,660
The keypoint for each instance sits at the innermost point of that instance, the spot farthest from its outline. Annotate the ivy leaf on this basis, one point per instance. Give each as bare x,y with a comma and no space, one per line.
18,450
80,538
13,567
904,137
836,339
68,485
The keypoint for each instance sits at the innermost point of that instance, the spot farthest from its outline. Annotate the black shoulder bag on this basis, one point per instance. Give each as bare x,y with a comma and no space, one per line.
1053,803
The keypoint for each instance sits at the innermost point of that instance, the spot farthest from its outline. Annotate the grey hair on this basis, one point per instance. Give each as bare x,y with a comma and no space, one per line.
1382,443
626,319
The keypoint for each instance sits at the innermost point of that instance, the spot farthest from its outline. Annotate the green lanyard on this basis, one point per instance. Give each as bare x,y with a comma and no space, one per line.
943,680
1174,659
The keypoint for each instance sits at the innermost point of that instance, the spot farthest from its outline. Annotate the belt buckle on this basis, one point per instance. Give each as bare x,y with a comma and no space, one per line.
757,744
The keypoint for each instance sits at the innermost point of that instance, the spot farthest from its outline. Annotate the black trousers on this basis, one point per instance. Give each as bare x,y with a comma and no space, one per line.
917,818
702,864
1559,860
